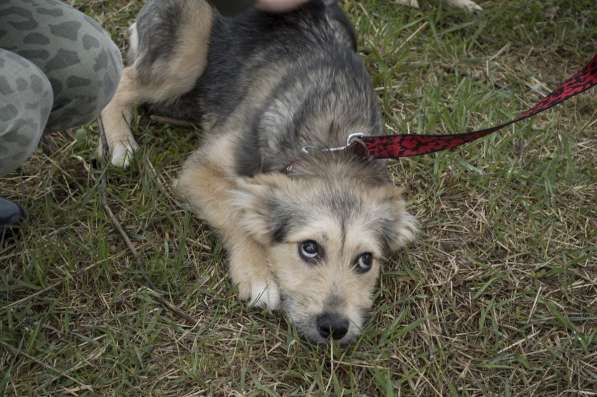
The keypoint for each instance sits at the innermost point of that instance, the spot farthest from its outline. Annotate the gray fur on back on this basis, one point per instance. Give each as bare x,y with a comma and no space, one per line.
317,90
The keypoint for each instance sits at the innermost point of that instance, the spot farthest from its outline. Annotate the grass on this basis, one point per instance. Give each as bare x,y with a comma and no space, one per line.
497,297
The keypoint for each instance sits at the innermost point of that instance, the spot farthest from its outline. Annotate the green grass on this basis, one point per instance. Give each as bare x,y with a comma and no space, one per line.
496,298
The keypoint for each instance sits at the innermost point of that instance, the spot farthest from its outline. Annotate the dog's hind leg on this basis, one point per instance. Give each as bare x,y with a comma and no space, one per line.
168,52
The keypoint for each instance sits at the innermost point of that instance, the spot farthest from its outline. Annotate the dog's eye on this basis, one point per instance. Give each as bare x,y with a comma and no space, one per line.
309,251
364,263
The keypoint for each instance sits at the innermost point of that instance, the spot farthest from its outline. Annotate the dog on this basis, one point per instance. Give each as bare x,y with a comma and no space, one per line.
306,225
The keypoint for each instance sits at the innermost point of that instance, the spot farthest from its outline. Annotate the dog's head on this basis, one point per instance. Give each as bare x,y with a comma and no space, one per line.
326,229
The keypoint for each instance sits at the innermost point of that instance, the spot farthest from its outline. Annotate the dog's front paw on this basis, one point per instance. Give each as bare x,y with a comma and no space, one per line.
250,273
121,152
409,3
260,293
467,5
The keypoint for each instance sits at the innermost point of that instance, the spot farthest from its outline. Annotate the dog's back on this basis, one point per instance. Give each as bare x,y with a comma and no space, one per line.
242,47
292,78
289,76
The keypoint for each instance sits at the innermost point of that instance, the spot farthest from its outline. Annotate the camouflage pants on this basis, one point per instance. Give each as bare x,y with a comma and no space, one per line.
58,69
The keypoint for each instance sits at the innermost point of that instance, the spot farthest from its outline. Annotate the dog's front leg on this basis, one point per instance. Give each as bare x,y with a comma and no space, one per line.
206,186
249,271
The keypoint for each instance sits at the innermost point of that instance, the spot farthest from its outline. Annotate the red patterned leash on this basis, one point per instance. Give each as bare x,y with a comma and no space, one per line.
396,146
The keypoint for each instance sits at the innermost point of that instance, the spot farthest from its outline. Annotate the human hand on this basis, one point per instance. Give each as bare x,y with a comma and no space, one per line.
278,5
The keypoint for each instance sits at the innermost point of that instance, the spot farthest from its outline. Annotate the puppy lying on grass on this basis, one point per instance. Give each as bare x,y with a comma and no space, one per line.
306,228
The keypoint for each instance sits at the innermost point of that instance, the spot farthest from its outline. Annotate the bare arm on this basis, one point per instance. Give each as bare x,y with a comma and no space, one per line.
234,7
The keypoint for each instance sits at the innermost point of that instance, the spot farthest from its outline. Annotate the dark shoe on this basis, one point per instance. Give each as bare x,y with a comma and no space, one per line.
10,213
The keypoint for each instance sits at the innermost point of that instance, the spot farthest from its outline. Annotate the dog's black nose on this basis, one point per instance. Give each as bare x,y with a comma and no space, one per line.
332,324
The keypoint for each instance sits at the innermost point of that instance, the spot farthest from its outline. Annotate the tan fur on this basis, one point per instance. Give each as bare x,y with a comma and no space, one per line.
206,184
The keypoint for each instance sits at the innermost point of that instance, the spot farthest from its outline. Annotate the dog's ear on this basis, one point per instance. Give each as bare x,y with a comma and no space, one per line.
399,227
261,208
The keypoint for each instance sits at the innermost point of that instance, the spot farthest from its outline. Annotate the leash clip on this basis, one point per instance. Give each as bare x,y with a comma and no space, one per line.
352,138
